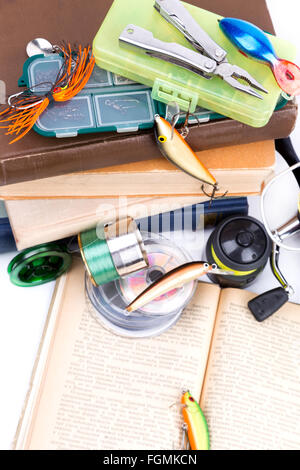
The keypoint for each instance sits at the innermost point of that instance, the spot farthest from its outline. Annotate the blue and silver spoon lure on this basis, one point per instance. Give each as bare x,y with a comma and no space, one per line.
251,40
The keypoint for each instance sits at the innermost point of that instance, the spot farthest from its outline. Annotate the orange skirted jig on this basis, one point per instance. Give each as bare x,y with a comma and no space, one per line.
25,107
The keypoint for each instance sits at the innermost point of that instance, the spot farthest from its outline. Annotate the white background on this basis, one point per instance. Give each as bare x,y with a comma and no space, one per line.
23,311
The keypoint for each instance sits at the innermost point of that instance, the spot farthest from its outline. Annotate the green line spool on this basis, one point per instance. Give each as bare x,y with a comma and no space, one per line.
111,251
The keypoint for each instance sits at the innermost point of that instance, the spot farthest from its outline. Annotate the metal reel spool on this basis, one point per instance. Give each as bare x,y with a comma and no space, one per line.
39,265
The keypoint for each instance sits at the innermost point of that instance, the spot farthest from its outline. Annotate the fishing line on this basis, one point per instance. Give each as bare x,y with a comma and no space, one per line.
111,299
96,256
113,250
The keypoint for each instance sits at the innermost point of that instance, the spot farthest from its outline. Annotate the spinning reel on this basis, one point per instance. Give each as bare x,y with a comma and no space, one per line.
270,302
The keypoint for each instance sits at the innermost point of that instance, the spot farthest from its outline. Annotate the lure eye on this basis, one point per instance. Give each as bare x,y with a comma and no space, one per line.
191,399
162,138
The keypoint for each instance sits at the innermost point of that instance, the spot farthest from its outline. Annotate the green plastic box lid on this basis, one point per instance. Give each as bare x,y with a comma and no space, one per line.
173,83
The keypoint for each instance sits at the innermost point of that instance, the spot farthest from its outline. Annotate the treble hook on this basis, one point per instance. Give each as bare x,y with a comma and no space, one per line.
184,132
185,128
212,196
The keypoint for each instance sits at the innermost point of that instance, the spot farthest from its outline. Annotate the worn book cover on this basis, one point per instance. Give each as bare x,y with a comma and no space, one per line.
239,169
36,221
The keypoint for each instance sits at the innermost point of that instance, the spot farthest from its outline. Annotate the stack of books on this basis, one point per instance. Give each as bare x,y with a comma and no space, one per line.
49,209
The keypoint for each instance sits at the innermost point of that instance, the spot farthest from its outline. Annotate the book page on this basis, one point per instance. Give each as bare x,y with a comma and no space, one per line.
251,395
102,391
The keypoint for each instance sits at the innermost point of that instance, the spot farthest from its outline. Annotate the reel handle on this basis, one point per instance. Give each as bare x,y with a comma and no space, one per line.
265,305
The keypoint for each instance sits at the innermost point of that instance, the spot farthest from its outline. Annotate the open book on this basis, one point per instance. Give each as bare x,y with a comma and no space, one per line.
93,390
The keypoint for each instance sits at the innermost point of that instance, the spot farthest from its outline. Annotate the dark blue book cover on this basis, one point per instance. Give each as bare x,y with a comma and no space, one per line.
7,242
203,215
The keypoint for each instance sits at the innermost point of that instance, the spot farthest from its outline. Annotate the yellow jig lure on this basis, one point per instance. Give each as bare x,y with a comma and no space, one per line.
173,146
195,424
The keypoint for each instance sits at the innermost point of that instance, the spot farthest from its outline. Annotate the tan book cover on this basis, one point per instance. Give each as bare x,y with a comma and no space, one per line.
91,389
36,221
239,169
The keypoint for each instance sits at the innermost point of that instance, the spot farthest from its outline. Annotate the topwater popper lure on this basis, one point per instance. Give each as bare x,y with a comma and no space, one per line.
195,425
251,40
24,108
173,146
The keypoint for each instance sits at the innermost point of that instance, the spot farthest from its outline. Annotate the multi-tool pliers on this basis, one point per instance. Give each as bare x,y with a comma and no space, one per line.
209,61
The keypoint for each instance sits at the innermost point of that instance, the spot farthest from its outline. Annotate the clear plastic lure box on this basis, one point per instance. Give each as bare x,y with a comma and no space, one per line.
108,102
173,83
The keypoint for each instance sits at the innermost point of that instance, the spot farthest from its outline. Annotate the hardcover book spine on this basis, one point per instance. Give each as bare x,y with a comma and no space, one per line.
7,242
68,158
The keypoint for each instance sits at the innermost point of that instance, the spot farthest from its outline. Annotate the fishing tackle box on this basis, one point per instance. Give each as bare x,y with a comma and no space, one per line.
107,103
173,83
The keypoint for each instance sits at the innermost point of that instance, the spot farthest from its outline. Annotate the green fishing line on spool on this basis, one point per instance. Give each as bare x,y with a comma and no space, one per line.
113,250
97,257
